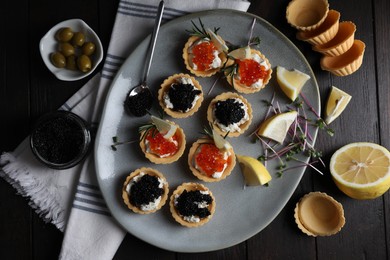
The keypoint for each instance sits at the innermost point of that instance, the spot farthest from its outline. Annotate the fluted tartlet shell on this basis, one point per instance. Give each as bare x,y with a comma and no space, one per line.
165,87
198,173
225,96
307,15
318,214
342,41
347,63
325,32
245,89
190,186
198,73
152,172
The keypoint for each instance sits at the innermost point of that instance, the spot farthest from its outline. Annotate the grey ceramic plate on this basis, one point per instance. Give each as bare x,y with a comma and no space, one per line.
240,213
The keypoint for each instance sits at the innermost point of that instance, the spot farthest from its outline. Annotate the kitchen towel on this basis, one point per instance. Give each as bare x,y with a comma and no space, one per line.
71,199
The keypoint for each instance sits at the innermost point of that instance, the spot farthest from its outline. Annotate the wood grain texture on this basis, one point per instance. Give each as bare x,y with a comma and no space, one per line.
28,90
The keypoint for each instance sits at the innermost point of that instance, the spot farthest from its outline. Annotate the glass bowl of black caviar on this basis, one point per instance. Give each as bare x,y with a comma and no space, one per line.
60,139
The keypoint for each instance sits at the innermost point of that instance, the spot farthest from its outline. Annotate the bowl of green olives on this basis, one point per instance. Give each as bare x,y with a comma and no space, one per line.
71,50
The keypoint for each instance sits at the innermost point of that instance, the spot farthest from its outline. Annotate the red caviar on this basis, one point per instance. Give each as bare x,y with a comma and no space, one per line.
210,159
203,55
250,71
161,146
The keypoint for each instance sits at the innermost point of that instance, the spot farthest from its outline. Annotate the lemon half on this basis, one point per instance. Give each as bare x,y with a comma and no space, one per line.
253,170
277,126
291,82
337,102
164,127
361,170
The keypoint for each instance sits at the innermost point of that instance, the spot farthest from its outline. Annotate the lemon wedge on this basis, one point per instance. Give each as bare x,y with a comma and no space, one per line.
218,42
277,126
253,170
164,127
337,102
241,53
221,142
361,170
291,82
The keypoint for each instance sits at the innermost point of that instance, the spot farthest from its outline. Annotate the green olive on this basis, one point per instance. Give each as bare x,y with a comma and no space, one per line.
66,49
71,62
84,63
58,59
64,34
88,48
78,39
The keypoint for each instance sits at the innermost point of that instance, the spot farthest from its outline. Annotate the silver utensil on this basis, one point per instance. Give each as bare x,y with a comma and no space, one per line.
140,98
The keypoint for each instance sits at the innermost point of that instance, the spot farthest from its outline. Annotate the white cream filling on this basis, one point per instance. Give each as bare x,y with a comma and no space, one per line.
151,205
147,146
181,80
216,63
258,59
235,127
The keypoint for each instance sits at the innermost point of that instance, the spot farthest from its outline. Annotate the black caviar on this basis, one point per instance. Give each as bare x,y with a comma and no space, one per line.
188,204
229,111
59,140
145,190
139,104
182,95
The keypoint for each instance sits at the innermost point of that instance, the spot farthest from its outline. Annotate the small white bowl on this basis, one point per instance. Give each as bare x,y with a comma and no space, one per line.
48,44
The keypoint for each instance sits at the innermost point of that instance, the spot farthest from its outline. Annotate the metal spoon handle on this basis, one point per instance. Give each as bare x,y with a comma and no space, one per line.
153,40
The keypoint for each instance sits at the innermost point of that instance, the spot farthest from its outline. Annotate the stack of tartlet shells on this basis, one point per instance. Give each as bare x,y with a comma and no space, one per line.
321,27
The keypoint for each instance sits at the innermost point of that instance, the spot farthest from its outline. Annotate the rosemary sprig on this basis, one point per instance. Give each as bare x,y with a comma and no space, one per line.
199,30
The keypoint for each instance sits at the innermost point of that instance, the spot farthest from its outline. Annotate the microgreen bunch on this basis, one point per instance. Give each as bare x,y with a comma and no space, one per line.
299,140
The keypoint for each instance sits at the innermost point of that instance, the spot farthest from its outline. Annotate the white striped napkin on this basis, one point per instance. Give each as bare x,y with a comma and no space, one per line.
71,198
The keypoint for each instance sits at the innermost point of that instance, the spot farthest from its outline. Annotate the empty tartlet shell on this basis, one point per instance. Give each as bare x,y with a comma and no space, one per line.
346,63
198,173
190,186
307,15
245,89
225,96
198,73
325,32
342,41
165,160
318,214
152,172
165,87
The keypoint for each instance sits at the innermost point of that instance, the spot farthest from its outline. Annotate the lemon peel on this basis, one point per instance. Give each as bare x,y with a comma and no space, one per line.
277,126
337,102
255,173
361,170
291,82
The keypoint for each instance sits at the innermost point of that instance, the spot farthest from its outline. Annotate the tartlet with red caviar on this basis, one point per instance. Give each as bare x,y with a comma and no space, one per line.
162,141
205,51
211,158
248,70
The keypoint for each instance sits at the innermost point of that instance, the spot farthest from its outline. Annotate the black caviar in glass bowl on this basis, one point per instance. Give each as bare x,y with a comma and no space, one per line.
60,139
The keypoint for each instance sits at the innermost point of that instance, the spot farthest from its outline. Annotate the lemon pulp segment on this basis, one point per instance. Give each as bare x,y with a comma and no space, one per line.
337,102
277,126
253,170
291,82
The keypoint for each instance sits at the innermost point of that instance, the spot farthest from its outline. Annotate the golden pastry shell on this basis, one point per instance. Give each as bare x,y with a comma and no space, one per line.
198,173
166,160
165,87
151,172
190,186
186,58
225,96
307,15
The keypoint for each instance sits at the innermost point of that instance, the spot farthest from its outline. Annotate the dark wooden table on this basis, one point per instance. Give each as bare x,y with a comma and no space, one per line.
28,90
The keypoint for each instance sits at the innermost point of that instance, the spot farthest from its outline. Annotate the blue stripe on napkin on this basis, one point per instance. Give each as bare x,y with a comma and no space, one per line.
147,11
89,198
111,66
